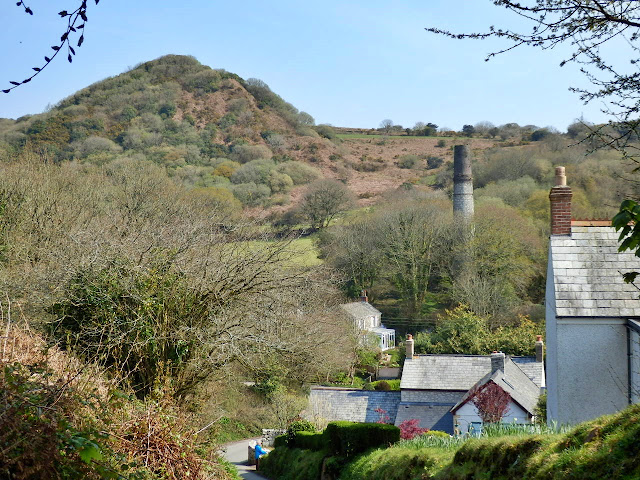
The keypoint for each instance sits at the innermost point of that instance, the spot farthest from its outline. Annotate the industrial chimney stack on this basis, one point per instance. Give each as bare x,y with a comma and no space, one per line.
462,184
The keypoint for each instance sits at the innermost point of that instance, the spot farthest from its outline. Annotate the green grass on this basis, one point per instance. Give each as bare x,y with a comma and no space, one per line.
303,251
347,136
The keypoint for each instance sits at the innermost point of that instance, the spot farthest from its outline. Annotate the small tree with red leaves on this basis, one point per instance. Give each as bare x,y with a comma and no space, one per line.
492,402
384,418
410,429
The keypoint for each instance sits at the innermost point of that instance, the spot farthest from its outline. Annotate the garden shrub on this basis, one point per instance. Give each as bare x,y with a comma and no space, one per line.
280,441
315,441
299,426
349,438
382,386
292,464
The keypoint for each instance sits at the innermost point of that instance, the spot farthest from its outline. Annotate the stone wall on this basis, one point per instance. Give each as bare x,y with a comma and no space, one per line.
269,435
331,403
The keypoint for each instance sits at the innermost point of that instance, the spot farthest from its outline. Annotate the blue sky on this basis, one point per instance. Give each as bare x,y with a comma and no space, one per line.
347,63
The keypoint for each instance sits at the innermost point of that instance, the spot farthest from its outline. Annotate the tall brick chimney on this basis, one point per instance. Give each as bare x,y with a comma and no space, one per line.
560,198
462,183
363,296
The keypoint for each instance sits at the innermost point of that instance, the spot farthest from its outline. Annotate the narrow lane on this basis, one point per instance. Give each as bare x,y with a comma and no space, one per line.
236,453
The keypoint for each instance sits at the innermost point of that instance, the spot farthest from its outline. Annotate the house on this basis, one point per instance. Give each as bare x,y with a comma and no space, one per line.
368,319
592,317
437,389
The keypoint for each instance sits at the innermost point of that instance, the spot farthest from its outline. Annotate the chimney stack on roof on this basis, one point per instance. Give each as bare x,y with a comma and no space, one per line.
497,361
409,345
462,183
539,349
363,296
560,200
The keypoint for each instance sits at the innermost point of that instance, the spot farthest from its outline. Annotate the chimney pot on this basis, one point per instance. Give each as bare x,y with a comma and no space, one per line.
539,349
561,178
363,296
497,361
409,346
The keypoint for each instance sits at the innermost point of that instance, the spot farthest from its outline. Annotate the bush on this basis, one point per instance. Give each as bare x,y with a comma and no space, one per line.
441,143
408,161
256,171
434,162
292,464
251,194
315,441
349,439
299,426
299,172
409,429
246,153
382,386
280,441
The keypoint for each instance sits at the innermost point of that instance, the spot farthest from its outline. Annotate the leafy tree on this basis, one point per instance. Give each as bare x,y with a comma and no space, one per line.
468,130
323,200
492,402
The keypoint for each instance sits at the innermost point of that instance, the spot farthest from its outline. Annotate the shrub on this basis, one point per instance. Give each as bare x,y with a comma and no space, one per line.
409,429
348,438
441,143
246,153
382,386
434,162
408,161
315,441
326,131
299,172
256,171
299,426
280,441
251,194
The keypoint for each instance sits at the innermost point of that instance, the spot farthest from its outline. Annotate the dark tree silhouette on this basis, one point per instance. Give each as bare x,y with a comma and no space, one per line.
76,21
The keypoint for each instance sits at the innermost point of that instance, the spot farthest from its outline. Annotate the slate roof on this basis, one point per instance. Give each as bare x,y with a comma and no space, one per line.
459,372
437,416
532,369
360,309
587,274
513,381
444,372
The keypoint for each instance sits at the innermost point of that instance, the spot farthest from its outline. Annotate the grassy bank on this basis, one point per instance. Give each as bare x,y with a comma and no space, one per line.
604,448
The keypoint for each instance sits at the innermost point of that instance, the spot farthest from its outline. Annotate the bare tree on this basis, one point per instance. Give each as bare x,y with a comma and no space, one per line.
323,200
386,125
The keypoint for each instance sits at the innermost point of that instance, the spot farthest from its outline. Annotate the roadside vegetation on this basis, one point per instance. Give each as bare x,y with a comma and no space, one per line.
606,447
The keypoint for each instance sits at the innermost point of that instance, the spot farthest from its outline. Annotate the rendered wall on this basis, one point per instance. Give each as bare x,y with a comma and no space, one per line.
591,367
468,413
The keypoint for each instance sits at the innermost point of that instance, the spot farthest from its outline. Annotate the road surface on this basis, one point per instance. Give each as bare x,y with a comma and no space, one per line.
237,454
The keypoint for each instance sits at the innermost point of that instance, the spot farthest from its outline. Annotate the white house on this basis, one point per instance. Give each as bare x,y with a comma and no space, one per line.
592,317
368,320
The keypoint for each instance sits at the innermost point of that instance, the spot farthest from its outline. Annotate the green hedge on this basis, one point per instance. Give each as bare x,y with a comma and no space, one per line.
280,441
310,441
292,464
349,438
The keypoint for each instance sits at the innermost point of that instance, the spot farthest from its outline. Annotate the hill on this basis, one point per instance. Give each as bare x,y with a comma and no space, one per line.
213,130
